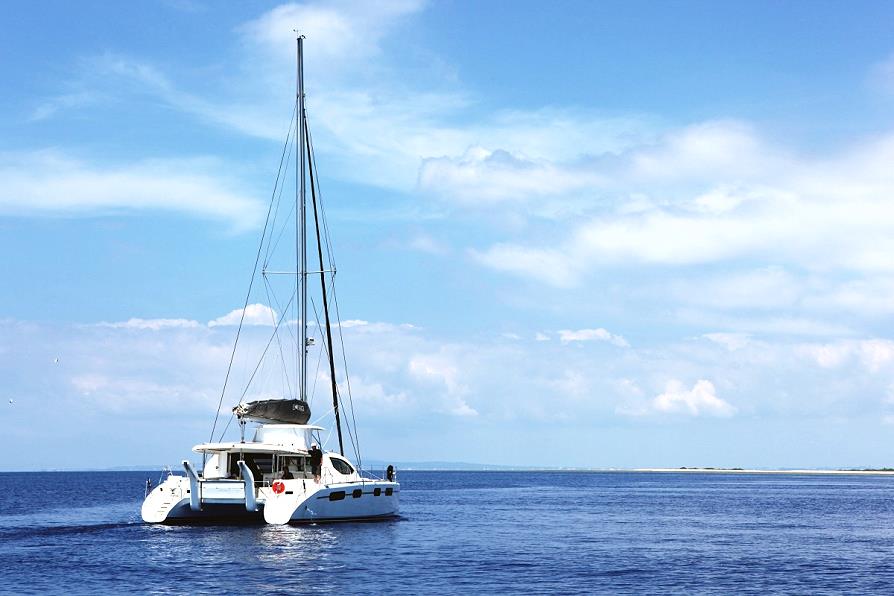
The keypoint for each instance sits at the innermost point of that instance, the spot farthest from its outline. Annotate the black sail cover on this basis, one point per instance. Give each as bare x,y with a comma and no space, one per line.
284,411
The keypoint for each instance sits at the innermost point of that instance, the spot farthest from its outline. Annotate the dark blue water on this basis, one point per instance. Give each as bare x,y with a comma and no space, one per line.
467,532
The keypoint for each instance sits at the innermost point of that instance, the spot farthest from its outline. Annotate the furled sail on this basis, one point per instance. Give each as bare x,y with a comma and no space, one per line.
283,411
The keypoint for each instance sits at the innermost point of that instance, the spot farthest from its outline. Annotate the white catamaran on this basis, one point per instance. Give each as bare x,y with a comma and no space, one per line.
281,475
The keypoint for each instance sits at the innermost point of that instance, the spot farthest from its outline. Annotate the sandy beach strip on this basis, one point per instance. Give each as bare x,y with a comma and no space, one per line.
746,471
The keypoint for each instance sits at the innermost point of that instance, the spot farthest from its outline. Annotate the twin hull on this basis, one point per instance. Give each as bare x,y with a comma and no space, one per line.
301,500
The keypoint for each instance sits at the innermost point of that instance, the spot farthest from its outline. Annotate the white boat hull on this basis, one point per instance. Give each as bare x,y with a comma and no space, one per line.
307,502
301,501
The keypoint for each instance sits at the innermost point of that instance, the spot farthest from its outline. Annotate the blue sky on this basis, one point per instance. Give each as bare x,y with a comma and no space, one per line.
643,234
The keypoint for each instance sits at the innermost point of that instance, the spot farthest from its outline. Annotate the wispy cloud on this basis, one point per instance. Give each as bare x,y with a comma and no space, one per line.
721,194
600,334
373,126
56,183
881,76
49,107
152,324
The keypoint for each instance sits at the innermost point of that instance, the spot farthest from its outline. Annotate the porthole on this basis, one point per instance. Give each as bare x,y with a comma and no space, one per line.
377,491
358,492
389,491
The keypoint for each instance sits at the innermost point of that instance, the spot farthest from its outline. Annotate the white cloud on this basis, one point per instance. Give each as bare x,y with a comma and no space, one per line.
766,288
867,297
724,148
374,126
731,341
427,244
436,367
600,334
701,400
639,193
51,106
248,115
881,76
749,201
481,176
153,324
872,354
255,314
541,336
354,323
128,394
629,387
344,36
441,369
372,395
764,324
550,266
572,383
54,183
461,408
133,375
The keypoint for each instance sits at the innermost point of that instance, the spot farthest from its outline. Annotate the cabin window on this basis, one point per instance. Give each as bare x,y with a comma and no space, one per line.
358,492
377,491
389,491
294,464
232,465
341,466
263,462
337,495
258,463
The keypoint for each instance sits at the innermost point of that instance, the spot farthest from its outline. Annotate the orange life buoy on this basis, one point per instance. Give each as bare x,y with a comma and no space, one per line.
278,486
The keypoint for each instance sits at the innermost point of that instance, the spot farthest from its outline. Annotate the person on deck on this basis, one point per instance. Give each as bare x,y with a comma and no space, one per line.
316,462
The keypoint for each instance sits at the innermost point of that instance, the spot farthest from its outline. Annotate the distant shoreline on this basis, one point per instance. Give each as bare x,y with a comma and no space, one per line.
881,472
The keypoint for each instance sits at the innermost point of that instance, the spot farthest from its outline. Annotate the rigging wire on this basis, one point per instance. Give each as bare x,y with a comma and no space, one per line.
282,230
353,436
271,245
285,370
313,305
313,156
289,143
341,339
250,285
264,353
260,361
280,309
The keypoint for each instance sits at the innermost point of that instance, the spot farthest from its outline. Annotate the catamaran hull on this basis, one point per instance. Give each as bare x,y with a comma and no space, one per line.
300,502
341,502
214,514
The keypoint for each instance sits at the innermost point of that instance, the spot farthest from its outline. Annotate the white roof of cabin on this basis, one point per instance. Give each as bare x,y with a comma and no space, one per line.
247,448
288,446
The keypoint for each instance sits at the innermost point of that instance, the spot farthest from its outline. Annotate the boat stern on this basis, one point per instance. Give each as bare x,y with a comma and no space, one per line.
164,498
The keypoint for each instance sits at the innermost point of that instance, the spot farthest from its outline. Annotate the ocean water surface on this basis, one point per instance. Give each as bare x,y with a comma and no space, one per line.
470,532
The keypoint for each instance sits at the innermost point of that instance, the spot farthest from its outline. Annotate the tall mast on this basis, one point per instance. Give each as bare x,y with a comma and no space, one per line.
301,246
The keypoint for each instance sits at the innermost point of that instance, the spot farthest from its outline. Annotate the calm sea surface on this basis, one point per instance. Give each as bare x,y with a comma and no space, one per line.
470,532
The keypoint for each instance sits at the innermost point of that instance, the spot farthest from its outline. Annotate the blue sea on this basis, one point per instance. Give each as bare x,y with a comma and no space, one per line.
470,532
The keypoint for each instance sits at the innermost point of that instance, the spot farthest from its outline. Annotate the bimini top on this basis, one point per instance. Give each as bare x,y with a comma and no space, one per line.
283,411
270,438
247,448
